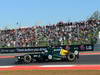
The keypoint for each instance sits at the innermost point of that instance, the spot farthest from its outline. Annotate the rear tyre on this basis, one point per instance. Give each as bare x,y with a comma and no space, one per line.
71,57
27,59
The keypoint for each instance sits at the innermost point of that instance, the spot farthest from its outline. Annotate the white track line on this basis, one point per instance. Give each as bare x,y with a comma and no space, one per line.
6,66
57,65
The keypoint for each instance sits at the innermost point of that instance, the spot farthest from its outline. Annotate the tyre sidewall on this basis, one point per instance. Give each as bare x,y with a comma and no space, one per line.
27,60
69,58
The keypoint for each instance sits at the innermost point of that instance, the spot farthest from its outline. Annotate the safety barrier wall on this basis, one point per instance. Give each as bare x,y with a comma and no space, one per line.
88,47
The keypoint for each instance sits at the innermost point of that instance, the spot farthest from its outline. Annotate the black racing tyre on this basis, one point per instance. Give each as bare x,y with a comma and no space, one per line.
71,57
27,59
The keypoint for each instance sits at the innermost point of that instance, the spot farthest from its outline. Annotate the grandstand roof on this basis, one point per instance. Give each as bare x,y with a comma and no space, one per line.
95,15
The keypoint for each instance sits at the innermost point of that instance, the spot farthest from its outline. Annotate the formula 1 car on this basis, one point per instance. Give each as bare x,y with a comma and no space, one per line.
48,54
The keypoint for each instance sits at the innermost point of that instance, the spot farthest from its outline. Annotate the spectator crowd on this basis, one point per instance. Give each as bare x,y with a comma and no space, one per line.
69,33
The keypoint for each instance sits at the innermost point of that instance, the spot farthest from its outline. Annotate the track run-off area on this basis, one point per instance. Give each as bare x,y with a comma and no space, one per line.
87,61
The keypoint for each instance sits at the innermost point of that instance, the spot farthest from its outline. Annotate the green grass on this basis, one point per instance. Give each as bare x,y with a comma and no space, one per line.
48,70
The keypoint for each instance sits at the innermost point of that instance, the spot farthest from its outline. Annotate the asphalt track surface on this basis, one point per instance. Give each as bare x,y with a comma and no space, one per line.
83,60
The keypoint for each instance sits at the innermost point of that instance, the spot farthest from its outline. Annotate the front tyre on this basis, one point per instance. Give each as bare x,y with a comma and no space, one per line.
27,59
71,57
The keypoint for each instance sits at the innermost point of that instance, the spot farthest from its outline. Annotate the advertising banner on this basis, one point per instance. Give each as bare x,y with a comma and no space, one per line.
88,47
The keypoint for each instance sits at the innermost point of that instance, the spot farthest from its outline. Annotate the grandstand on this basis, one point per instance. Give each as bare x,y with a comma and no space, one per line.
96,15
69,33
97,45
98,38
